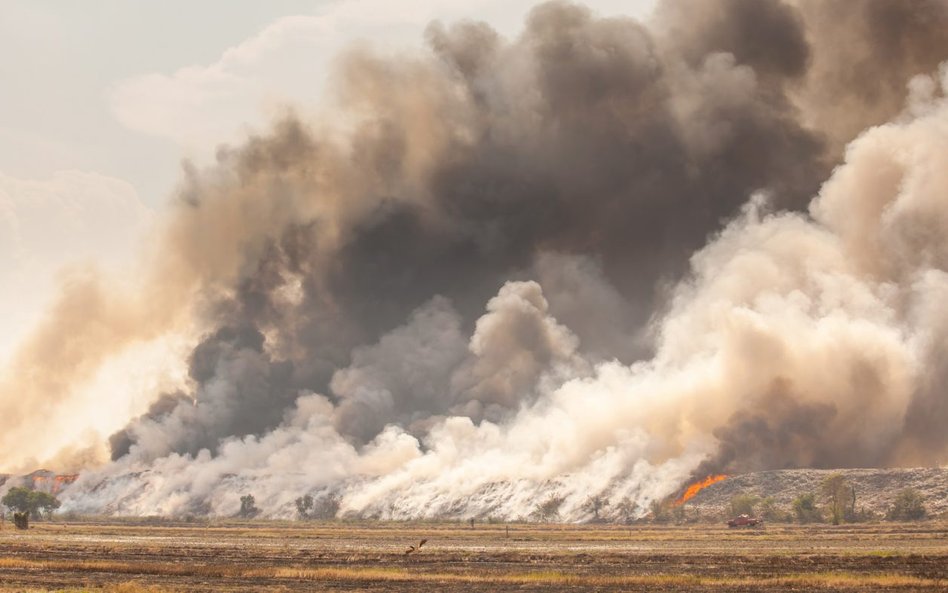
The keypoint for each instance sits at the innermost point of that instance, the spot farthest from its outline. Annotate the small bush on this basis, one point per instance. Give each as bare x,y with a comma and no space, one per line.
327,507
659,512
595,504
304,506
805,509
770,512
248,507
743,504
909,505
625,510
549,509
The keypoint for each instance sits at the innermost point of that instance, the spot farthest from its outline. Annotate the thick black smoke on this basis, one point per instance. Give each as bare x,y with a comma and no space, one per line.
593,154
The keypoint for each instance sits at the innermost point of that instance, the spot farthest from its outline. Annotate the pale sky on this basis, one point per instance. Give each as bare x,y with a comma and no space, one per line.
101,100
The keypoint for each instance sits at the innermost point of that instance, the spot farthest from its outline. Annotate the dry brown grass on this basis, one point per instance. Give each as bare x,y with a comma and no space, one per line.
339,556
130,587
407,575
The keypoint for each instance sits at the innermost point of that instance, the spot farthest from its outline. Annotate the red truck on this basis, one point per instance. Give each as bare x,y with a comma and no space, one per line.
744,521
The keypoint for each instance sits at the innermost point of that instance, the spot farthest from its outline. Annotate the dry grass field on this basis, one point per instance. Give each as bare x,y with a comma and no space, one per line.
267,556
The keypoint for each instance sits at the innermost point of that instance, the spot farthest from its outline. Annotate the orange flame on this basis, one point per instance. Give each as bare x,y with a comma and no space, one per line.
53,483
698,487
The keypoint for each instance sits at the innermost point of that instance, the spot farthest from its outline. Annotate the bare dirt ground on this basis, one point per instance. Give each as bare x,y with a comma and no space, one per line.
338,556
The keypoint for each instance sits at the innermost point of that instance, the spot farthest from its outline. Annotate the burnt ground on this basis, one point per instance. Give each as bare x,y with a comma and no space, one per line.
270,556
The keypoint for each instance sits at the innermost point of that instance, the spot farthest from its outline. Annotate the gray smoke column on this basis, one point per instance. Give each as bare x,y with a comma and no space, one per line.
592,259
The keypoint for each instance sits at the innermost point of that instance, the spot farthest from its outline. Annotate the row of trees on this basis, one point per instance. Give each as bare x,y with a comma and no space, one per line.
835,502
306,507
838,505
549,508
326,507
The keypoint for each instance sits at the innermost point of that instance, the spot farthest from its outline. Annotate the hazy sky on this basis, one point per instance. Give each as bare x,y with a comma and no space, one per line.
101,100
127,89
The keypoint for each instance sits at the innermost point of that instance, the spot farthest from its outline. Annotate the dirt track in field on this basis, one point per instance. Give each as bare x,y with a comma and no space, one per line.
370,557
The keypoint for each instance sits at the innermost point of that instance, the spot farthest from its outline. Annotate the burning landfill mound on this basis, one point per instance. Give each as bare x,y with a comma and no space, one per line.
41,479
875,490
600,259
695,488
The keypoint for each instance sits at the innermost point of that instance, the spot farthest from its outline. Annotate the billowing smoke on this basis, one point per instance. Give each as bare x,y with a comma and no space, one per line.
588,261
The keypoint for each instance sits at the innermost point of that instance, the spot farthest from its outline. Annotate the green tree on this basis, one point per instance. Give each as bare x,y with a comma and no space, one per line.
17,499
837,492
804,507
909,505
549,509
743,504
595,504
625,510
328,507
248,507
304,506
33,502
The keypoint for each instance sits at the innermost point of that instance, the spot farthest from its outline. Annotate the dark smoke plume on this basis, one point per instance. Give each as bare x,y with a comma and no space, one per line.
584,136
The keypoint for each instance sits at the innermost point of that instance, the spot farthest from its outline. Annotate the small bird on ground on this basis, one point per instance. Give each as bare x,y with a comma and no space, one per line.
413,549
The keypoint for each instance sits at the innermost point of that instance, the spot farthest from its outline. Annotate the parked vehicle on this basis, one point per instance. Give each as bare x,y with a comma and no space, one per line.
744,521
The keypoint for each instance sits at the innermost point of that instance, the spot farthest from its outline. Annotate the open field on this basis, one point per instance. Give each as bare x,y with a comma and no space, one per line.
267,556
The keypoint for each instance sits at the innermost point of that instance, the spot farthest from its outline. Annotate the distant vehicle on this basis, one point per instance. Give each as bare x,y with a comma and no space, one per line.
744,521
